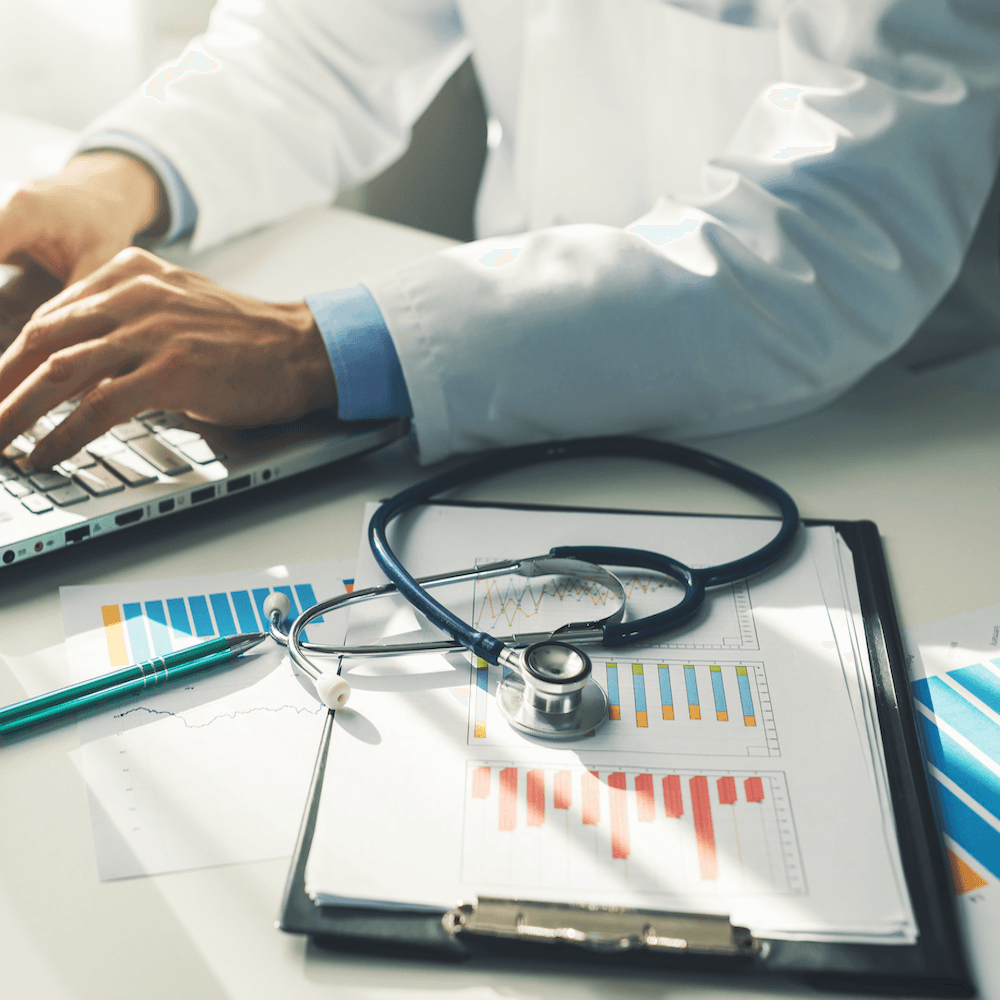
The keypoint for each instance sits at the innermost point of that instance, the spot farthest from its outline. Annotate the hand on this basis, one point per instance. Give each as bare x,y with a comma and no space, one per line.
140,334
78,220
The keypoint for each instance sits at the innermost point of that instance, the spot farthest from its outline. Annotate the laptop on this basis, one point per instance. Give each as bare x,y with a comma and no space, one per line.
153,466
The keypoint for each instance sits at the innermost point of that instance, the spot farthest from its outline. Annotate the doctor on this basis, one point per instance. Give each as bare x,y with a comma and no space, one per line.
695,217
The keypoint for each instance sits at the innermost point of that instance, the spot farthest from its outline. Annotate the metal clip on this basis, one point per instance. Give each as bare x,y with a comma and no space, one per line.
602,928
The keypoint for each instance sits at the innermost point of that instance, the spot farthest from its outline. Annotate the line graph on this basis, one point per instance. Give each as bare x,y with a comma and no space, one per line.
511,603
213,772
299,710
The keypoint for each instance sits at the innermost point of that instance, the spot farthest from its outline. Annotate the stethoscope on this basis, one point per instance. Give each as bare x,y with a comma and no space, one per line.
550,692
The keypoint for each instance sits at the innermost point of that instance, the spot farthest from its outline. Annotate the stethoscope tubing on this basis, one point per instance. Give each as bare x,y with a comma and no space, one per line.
694,580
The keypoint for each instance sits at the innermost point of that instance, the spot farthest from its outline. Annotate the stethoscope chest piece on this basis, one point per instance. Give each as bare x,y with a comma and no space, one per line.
550,693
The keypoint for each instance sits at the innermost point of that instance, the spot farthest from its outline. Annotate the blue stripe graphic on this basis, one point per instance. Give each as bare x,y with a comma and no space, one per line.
719,691
157,618
613,684
691,684
202,619
981,682
956,763
666,695
968,829
307,597
179,616
951,707
746,700
136,632
260,595
244,611
223,615
639,690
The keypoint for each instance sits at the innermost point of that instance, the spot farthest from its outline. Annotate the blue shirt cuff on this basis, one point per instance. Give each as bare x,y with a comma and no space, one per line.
370,383
183,210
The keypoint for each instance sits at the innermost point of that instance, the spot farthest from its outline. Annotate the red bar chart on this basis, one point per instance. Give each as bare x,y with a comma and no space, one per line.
647,830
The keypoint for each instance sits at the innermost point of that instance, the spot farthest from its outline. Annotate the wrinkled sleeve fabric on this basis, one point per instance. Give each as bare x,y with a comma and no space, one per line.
279,105
838,217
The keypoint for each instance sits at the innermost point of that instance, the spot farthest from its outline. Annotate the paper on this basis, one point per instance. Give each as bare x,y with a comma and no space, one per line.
216,771
955,667
736,773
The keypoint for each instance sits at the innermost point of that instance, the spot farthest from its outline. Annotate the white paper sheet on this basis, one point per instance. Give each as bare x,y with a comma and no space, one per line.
214,772
955,666
762,804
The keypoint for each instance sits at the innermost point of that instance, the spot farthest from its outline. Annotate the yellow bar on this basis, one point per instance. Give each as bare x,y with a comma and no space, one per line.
480,730
614,713
641,720
694,711
668,713
722,716
113,632
749,720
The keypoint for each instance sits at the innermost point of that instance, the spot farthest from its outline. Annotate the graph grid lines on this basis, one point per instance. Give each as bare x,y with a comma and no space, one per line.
650,830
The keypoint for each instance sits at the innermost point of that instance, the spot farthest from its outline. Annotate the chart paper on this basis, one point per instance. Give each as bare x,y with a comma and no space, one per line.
735,773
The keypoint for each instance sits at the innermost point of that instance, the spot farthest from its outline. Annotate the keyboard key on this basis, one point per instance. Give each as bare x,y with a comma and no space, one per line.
36,503
46,481
81,460
104,445
164,422
148,414
39,429
200,452
178,435
158,454
130,468
129,430
99,481
16,488
70,493
6,473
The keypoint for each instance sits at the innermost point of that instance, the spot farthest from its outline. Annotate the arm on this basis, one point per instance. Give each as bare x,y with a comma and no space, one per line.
315,111
834,220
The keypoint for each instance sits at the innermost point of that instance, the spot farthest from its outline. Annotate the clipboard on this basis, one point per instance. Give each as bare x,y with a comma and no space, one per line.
497,930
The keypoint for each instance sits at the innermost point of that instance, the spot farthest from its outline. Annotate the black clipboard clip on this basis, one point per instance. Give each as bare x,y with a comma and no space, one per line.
601,928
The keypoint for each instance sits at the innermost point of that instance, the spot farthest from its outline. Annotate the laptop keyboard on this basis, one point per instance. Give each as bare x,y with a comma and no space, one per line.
129,455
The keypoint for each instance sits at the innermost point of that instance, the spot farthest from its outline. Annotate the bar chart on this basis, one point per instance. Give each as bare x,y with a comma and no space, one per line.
661,705
653,831
511,604
140,630
958,719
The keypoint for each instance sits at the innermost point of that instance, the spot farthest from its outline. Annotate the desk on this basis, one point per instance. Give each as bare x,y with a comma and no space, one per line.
920,459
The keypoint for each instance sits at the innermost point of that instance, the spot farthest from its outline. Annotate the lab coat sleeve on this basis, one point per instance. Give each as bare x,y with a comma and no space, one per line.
838,215
280,104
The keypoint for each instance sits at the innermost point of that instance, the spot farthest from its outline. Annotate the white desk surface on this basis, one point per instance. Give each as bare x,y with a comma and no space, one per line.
920,459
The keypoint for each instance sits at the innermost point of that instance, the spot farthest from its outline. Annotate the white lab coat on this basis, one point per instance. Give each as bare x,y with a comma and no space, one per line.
693,226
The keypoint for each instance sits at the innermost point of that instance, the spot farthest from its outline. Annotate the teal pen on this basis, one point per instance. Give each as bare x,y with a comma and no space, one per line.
125,683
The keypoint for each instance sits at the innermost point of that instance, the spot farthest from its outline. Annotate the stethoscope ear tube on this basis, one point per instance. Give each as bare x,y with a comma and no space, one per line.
695,581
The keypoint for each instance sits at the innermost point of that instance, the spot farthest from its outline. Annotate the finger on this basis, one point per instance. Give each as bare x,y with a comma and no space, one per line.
129,263
40,338
64,375
111,402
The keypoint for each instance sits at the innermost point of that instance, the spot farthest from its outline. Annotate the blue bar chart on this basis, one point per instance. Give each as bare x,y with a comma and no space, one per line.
660,705
140,630
958,720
